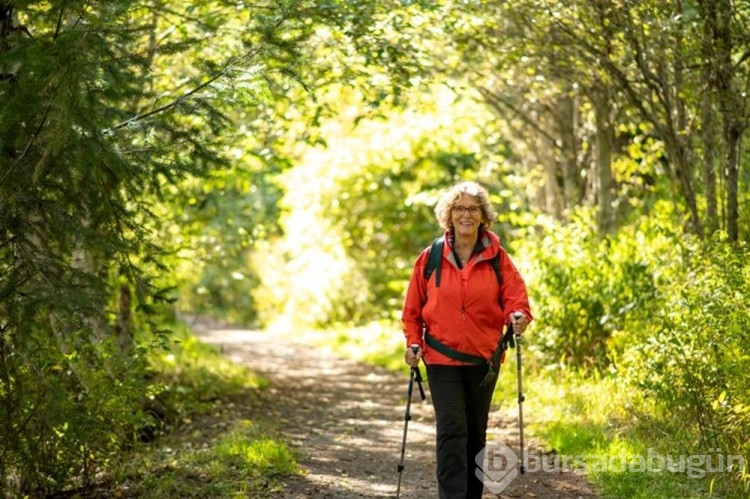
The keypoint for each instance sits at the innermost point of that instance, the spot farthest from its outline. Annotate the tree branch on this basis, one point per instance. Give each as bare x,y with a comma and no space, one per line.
177,100
742,59
33,138
497,102
230,65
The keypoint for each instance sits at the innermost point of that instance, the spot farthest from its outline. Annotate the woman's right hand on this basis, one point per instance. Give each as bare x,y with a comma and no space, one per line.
412,355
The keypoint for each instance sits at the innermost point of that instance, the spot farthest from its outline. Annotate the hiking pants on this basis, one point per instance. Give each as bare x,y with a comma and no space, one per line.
461,409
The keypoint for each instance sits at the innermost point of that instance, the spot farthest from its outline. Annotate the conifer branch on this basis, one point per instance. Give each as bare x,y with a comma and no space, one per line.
233,62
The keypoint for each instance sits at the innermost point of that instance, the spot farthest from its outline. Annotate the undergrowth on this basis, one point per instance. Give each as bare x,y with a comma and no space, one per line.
218,443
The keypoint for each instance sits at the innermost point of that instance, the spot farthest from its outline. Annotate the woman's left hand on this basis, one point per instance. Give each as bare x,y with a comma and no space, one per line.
519,322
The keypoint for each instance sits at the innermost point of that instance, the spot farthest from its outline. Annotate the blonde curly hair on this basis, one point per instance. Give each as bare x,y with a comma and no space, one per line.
448,200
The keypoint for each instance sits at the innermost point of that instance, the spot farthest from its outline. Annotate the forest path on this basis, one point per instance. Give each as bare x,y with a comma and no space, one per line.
346,420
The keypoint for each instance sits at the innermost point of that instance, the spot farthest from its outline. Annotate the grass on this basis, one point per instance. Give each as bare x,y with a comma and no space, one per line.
586,419
247,461
255,451
219,444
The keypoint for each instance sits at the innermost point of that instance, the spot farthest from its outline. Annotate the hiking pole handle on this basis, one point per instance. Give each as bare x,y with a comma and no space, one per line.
417,374
516,316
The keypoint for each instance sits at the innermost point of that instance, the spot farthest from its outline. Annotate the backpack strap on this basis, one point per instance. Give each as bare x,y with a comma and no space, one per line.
452,353
433,263
436,258
495,262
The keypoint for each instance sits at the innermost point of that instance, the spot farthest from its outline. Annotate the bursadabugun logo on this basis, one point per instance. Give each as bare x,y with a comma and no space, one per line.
496,466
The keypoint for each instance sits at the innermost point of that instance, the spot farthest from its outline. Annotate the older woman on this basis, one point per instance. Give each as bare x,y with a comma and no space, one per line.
455,316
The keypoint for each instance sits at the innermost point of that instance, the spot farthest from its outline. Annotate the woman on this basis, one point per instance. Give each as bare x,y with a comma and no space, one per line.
461,319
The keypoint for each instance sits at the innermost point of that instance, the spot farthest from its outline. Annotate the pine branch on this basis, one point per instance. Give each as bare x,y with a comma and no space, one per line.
178,100
31,141
231,65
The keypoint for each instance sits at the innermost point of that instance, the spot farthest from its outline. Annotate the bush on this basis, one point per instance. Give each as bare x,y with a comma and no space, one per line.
691,357
588,290
68,405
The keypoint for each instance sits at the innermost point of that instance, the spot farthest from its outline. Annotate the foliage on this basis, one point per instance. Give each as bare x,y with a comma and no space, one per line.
212,234
103,107
65,410
363,51
691,357
566,75
590,290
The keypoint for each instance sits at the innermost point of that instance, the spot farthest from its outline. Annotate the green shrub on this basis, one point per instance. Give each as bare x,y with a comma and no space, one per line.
69,405
691,357
586,290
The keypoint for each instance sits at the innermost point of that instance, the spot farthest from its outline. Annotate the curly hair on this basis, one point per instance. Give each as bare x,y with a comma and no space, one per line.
448,200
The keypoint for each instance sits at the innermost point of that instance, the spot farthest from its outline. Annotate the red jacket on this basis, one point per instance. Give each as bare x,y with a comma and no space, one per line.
464,313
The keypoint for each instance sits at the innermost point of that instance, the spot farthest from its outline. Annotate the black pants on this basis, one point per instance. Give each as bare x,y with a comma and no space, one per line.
461,409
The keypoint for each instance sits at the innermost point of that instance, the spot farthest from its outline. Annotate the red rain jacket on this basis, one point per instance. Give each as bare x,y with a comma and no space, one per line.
464,313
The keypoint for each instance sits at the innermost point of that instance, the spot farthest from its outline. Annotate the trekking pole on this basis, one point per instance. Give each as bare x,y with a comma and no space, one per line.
414,375
521,398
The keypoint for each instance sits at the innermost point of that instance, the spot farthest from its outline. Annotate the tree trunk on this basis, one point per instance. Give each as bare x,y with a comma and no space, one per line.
680,127
731,108
679,156
603,159
124,326
733,180
553,199
708,132
566,118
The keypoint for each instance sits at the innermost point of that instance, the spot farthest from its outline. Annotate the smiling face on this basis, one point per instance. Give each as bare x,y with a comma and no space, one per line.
466,215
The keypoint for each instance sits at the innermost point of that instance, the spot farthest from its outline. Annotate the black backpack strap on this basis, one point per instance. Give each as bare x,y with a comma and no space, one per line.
433,263
452,353
498,356
436,258
495,262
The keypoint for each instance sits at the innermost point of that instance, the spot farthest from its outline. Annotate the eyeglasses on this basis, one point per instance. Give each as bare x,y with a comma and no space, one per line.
473,210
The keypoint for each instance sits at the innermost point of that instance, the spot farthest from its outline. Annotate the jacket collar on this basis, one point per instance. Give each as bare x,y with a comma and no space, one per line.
487,245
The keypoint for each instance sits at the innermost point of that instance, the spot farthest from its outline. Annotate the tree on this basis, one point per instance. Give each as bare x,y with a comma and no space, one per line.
102,107
560,111
671,68
675,64
725,50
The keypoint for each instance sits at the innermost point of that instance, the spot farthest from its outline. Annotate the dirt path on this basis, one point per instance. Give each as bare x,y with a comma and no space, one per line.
346,419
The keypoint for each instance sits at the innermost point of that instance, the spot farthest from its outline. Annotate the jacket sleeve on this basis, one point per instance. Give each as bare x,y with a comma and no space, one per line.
416,297
513,293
